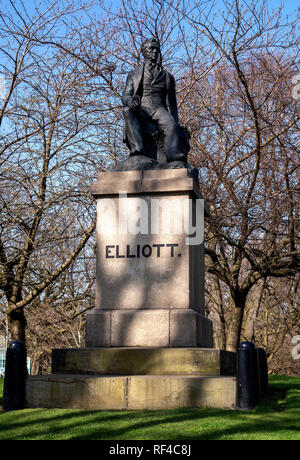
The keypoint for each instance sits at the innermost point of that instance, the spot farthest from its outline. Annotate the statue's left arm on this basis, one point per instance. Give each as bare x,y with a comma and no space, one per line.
171,99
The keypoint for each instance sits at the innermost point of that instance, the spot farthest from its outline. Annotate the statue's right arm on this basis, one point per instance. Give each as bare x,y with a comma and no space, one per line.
129,90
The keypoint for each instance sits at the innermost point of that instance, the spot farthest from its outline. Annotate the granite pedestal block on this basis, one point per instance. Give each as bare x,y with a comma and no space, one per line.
136,378
150,261
134,392
148,342
148,328
144,361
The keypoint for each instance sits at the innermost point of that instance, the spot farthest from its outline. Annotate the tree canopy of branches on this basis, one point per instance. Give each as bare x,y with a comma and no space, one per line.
47,134
61,121
245,123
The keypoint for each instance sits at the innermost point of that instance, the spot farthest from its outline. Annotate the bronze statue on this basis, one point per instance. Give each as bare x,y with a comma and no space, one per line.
150,106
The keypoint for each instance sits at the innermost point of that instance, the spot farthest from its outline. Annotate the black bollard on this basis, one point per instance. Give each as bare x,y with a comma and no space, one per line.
15,376
247,377
262,371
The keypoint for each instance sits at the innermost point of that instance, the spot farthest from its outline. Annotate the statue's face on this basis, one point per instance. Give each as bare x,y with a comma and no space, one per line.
151,51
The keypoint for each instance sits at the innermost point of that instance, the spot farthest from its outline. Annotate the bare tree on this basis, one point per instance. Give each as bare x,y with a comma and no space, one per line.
63,121
277,322
244,121
56,319
47,156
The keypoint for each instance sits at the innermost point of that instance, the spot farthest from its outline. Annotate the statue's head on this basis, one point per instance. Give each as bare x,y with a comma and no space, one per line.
151,50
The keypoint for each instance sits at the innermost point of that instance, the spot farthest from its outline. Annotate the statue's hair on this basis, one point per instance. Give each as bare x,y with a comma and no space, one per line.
152,40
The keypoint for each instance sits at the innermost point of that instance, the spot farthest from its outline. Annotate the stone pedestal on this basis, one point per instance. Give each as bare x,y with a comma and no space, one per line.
150,269
148,342
136,378
148,328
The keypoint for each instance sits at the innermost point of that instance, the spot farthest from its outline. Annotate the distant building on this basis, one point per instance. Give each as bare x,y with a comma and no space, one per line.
2,354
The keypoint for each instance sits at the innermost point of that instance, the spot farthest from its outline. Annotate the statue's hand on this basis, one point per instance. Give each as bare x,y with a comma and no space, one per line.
134,103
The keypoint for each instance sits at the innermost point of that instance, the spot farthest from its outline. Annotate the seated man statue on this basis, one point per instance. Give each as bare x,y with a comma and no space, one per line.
150,97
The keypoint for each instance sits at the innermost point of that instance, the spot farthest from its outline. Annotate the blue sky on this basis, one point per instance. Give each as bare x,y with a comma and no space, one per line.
289,5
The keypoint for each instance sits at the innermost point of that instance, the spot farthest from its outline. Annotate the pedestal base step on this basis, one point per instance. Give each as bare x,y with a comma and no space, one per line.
144,361
148,328
133,392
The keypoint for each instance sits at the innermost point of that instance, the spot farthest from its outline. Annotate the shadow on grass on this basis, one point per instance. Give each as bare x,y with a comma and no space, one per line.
284,382
268,417
277,416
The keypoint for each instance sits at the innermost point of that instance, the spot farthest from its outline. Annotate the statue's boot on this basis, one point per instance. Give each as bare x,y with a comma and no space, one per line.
136,152
176,157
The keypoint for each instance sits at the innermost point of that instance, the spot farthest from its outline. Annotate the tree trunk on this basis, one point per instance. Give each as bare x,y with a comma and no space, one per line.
16,323
220,329
36,367
252,315
234,334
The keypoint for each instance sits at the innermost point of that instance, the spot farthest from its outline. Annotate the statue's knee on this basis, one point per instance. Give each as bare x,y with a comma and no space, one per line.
127,110
171,129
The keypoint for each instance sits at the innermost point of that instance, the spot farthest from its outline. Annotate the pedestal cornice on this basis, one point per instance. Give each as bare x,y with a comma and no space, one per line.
144,182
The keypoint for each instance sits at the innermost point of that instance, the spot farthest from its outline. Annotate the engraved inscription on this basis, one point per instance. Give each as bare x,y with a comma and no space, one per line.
129,251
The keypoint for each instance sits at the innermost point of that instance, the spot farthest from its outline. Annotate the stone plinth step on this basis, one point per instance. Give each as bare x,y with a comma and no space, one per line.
148,328
144,361
133,392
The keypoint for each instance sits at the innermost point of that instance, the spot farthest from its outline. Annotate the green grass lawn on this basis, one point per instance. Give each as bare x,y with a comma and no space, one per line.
278,417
